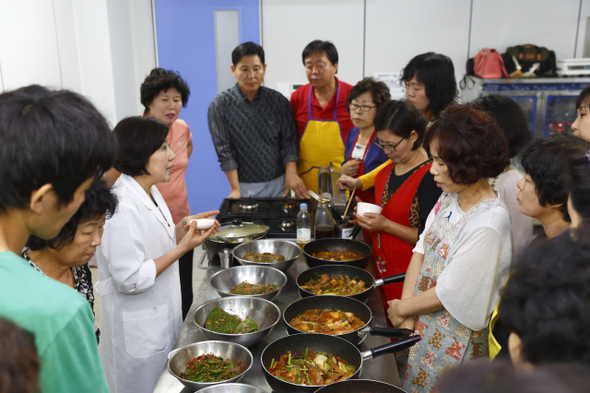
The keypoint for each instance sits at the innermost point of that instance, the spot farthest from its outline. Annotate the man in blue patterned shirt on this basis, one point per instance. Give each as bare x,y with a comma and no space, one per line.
254,133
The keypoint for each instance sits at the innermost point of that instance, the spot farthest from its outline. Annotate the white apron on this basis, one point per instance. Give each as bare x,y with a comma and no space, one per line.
140,315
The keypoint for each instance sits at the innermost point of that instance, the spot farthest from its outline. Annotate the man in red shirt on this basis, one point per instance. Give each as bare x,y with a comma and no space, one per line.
320,112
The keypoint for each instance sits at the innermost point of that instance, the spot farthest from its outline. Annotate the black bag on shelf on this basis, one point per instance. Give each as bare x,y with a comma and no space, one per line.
527,55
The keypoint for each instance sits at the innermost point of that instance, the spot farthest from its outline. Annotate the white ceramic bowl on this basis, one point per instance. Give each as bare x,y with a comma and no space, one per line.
204,223
364,207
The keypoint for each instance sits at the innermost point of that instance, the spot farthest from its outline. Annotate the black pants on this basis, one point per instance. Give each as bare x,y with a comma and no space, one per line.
186,281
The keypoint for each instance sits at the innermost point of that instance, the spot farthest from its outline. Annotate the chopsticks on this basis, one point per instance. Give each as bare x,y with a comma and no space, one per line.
348,205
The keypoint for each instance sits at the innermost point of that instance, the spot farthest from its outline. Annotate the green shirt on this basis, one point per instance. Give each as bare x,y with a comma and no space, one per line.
61,321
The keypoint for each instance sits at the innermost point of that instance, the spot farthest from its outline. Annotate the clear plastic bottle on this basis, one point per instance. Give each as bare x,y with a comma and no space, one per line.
303,226
324,221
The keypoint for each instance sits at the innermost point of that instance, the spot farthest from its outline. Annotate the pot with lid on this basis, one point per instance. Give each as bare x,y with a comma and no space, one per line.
232,234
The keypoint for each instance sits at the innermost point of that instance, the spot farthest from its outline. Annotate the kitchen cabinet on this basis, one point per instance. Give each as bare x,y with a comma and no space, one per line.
549,103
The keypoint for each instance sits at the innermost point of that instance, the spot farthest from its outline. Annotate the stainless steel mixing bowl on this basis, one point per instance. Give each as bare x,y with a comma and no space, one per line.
264,312
223,281
289,250
232,388
238,354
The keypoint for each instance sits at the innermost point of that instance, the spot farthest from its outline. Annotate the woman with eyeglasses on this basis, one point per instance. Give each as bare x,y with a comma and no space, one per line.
361,155
405,189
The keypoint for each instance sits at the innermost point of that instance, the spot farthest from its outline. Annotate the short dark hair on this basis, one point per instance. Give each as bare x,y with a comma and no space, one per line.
546,300
511,119
401,118
19,363
319,46
583,97
52,137
159,80
437,73
579,184
483,376
138,138
246,49
546,161
470,142
98,201
379,92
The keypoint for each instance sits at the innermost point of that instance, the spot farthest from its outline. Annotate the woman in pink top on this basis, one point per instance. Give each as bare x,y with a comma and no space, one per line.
163,94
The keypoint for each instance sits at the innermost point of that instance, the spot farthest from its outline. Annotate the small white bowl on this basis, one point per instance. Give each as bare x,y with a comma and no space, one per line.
364,207
204,223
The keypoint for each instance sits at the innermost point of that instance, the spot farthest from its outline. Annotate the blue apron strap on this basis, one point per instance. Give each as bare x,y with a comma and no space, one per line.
336,103
309,103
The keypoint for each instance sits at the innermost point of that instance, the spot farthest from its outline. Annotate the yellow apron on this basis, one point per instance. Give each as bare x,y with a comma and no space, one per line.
320,143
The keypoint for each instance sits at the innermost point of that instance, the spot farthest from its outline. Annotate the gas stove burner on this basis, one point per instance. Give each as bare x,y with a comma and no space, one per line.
286,225
289,206
248,205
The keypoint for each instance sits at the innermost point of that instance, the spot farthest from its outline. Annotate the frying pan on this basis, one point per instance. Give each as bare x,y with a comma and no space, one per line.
336,244
360,385
344,304
327,344
350,271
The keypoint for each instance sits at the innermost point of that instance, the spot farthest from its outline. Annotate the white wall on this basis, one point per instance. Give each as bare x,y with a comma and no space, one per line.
100,48
397,30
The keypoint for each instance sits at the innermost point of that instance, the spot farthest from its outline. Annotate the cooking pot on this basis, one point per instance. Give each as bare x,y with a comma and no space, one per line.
344,304
351,271
236,232
334,244
327,344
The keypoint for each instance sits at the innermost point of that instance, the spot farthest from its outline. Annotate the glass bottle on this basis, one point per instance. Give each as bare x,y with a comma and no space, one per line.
303,226
324,221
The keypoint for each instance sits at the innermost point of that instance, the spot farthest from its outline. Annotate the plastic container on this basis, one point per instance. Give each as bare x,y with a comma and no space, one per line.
303,226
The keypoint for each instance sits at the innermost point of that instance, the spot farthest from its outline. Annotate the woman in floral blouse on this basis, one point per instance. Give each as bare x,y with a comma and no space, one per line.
65,257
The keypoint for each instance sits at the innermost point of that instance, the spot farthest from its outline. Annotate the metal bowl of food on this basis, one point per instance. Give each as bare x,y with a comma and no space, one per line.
223,281
269,251
232,388
178,360
263,312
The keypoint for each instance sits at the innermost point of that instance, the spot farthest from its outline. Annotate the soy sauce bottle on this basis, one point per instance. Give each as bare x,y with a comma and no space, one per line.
324,221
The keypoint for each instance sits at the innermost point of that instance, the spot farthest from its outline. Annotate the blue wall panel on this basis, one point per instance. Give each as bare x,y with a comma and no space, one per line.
186,43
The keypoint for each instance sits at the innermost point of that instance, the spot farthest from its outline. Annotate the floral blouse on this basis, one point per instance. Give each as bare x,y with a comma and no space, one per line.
82,284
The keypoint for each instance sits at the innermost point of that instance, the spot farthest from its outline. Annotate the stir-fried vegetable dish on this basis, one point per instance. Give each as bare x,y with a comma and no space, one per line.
263,257
326,322
221,321
245,288
209,368
337,255
311,368
330,285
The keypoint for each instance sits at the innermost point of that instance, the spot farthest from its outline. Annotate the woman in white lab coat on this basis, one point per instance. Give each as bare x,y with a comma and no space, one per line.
137,262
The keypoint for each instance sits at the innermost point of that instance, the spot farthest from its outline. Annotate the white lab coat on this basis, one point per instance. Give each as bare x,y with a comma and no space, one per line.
141,314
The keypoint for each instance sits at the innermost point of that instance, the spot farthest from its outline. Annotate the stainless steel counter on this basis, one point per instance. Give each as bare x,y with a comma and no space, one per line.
381,368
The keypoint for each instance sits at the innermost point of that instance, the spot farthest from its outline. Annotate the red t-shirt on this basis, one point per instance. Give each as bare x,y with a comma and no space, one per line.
301,113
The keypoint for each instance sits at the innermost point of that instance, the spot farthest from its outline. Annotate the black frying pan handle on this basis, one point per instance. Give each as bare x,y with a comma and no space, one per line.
396,346
390,279
390,332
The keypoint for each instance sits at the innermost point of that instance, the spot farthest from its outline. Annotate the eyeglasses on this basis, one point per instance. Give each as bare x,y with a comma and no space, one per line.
388,148
364,108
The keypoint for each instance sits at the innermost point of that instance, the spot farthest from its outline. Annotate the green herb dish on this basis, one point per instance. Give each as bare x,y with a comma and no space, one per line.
223,322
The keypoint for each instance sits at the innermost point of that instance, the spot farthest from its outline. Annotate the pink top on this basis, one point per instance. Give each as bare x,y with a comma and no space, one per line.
174,192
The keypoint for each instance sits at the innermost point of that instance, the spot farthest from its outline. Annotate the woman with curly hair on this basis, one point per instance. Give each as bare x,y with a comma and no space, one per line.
461,259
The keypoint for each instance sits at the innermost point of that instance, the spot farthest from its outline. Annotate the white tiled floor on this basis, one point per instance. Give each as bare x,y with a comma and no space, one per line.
197,277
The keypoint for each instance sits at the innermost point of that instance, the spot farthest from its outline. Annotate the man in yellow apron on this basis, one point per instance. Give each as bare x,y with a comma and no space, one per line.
320,113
